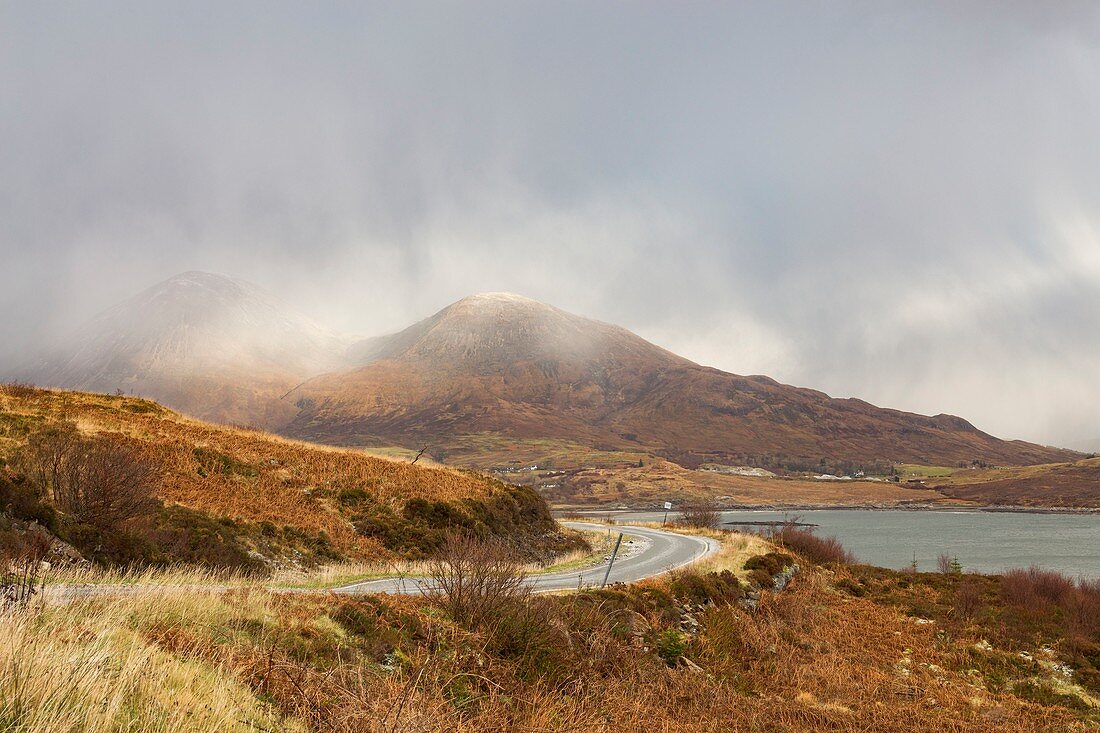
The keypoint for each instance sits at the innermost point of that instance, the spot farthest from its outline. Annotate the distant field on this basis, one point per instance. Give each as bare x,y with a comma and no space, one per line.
658,481
1072,485
493,450
914,470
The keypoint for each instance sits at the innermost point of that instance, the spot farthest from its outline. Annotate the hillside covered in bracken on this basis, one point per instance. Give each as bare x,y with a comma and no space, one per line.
248,486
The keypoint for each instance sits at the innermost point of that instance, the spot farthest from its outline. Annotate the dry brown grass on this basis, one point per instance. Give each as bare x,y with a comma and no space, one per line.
86,668
810,659
813,658
289,483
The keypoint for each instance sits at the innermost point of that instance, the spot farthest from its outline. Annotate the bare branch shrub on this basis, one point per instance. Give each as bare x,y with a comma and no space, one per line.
476,580
47,454
20,560
18,390
1083,610
1035,588
106,484
97,481
943,563
821,550
968,598
700,516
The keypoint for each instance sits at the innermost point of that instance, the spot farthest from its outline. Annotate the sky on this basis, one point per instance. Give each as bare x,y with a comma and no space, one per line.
895,201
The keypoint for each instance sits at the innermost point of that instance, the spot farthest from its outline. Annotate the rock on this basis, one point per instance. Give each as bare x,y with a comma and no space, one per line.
639,624
779,582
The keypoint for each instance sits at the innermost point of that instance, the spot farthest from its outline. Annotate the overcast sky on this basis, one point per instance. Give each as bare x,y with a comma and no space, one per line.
896,201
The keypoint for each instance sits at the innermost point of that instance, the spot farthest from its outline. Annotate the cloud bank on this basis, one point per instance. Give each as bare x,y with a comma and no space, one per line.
896,201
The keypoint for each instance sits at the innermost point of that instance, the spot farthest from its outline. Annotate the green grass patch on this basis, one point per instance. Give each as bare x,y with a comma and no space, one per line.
915,470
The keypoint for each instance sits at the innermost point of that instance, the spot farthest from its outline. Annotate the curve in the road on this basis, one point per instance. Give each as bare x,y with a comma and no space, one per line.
664,551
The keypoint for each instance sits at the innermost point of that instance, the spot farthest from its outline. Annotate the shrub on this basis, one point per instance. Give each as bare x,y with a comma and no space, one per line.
474,580
968,599
948,565
701,516
96,481
820,550
20,559
18,390
21,499
1083,611
105,484
763,568
1034,588
723,587
186,535
671,645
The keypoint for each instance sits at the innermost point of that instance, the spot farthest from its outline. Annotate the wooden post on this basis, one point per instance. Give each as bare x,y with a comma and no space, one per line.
612,561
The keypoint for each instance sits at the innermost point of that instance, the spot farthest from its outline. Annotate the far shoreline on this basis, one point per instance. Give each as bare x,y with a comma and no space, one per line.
559,511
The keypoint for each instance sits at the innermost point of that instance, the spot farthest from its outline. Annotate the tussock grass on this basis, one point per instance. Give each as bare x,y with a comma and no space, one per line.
810,659
85,668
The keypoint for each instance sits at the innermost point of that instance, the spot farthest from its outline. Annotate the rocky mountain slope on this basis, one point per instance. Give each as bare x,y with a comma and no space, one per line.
502,363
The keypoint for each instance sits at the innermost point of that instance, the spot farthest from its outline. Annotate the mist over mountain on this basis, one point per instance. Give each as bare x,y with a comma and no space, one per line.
502,363
223,349
212,346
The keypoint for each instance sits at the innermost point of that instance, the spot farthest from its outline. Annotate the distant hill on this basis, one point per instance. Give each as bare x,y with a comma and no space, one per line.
211,346
1075,485
502,363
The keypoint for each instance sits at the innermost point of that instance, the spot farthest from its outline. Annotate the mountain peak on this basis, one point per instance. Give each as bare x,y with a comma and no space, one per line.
500,295
499,302
199,277
200,342
195,283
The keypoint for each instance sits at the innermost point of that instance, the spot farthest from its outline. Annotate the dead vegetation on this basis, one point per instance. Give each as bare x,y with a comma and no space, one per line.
475,581
678,654
807,543
700,515
96,454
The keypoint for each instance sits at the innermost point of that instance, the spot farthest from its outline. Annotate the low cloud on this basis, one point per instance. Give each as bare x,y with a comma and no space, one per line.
890,201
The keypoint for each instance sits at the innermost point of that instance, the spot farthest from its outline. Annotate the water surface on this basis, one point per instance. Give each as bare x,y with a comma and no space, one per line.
987,542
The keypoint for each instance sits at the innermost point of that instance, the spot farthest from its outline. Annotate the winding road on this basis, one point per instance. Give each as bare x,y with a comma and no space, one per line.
657,551
646,552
